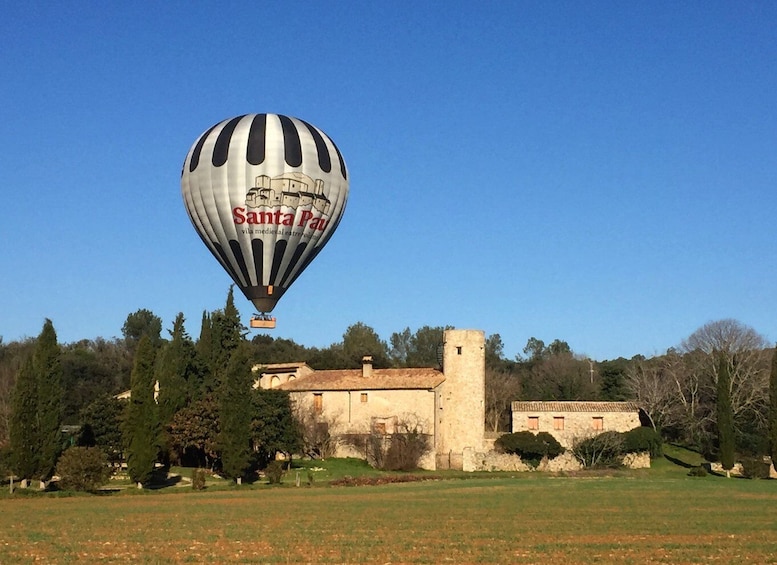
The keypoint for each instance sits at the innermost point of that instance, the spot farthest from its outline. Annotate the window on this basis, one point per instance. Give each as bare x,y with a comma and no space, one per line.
458,350
364,397
275,381
318,402
534,423
558,422
598,423
383,426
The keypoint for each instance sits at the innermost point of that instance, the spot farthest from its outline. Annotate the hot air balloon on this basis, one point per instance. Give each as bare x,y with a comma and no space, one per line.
265,193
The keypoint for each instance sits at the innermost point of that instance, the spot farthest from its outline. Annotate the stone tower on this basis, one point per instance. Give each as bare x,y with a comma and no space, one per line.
461,399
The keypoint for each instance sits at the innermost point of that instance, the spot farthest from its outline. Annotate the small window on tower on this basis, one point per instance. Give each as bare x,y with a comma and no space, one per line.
458,350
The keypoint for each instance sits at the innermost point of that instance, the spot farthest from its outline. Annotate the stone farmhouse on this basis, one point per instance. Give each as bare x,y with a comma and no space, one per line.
446,404
568,421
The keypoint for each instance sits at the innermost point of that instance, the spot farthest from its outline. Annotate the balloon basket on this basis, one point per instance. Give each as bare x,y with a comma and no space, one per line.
262,322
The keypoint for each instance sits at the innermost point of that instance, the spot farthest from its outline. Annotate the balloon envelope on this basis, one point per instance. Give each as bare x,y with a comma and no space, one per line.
265,192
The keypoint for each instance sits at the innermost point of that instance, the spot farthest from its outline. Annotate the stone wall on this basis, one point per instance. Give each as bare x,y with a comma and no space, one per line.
493,461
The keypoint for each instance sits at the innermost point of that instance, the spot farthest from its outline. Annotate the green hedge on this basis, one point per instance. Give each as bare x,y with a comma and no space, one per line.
529,447
643,439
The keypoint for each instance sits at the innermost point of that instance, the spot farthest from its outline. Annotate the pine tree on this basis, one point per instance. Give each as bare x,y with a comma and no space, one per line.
141,428
23,429
773,409
235,415
725,416
48,373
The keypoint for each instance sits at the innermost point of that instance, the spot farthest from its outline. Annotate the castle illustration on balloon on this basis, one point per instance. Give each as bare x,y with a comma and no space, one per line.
290,189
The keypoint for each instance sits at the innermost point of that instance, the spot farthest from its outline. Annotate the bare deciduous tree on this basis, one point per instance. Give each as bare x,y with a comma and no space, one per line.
502,387
319,431
12,357
743,352
648,383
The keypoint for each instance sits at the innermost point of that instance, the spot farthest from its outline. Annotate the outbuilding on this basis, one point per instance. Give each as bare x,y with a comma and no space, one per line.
571,421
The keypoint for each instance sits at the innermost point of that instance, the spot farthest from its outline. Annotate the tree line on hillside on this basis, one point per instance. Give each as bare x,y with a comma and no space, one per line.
711,392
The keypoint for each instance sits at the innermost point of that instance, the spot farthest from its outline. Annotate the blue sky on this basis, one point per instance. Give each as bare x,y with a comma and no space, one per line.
602,173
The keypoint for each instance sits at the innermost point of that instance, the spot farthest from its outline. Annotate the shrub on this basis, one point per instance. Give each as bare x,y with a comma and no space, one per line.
375,445
399,451
643,439
755,468
318,442
509,443
529,447
405,450
83,469
699,471
198,479
752,444
5,461
602,450
274,472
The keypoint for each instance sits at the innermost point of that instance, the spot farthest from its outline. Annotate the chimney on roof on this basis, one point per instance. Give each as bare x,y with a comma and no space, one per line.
367,366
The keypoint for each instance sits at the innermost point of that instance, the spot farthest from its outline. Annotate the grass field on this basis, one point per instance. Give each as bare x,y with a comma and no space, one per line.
652,516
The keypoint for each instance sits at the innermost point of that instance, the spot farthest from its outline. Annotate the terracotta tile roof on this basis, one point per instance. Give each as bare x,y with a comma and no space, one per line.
553,406
269,367
381,379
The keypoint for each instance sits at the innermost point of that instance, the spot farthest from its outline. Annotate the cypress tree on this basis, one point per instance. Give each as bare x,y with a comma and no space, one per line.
227,334
48,373
173,371
37,402
23,429
235,415
773,410
273,427
102,426
204,348
141,428
725,416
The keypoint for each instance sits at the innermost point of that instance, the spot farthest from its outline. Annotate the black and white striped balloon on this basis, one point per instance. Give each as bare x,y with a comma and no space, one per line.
265,192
